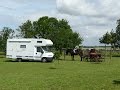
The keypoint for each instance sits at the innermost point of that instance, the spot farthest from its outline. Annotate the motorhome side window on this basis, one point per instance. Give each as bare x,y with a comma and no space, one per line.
22,46
39,49
39,41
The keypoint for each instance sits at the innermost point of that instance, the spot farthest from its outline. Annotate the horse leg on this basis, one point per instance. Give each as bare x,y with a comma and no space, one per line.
73,57
81,58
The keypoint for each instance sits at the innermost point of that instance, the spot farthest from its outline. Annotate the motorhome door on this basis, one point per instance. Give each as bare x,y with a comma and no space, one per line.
38,53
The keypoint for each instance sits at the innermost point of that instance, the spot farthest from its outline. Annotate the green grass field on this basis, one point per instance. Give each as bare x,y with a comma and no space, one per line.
60,75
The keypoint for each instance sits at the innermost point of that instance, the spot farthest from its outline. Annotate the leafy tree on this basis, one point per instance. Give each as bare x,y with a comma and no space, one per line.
59,31
26,30
106,39
118,29
109,38
113,39
76,39
45,27
118,33
4,35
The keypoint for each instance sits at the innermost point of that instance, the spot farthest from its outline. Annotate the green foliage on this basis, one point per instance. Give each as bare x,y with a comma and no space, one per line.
118,33
4,35
118,55
26,30
109,38
2,53
59,31
57,55
112,38
106,39
118,29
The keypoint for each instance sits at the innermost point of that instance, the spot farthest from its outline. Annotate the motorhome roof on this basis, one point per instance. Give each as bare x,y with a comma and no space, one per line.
44,41
26,39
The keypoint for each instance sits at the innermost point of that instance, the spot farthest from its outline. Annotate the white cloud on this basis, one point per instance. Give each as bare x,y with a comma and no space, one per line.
15,12
76,7
97,8
93,17
90,18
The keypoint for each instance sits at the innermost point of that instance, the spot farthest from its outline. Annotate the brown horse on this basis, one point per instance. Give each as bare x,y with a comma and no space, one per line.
75,52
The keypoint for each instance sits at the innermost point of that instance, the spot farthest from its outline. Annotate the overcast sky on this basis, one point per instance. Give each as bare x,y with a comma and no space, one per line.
90,18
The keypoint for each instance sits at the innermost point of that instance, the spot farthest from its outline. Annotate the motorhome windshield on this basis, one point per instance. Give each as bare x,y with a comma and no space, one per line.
46,48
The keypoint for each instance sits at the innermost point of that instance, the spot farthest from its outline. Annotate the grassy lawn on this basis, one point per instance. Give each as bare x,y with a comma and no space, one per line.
62,75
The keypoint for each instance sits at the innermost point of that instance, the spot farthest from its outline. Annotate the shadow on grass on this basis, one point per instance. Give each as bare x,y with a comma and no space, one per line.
52,67
10,61
21,61
116,81
2,57
64,60
96,62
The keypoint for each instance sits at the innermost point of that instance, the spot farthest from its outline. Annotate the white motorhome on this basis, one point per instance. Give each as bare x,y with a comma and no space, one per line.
30,49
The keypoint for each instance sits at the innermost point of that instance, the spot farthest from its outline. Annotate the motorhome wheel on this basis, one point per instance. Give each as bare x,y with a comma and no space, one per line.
44,60
19,59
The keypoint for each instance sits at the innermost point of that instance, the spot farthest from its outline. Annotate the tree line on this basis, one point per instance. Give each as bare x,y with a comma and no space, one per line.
59,31
112,38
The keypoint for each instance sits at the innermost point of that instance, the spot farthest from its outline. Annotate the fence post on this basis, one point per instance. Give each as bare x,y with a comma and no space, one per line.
110,53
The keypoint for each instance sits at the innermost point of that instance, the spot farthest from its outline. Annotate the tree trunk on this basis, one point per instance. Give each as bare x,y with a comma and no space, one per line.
111,51
105,50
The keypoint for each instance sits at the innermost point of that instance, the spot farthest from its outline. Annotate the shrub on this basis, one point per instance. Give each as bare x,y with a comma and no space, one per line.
115,55
2,53
57,55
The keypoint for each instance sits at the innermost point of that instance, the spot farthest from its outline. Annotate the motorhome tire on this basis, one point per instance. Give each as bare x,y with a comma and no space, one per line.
44,59
19,59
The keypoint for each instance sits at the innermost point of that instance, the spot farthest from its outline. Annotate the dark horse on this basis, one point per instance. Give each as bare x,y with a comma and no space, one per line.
73,52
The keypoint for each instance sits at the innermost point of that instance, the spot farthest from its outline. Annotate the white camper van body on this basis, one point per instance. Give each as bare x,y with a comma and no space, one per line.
30,49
